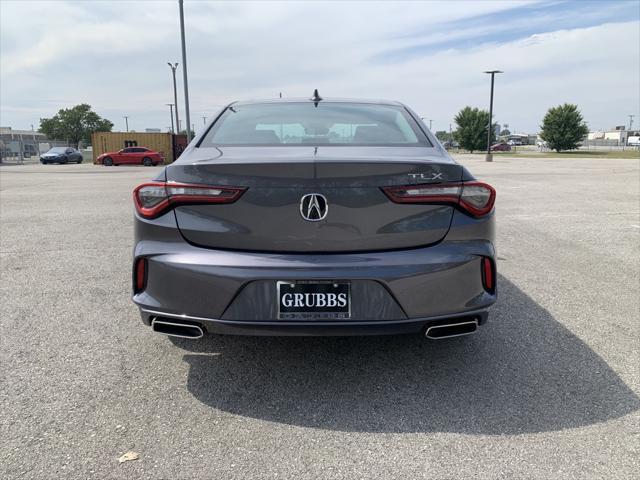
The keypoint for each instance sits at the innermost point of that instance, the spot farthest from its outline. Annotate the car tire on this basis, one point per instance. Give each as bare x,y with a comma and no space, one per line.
79,160
147,162
107,161
65,161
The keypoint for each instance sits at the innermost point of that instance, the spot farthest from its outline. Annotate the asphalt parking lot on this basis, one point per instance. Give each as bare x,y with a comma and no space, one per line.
549,388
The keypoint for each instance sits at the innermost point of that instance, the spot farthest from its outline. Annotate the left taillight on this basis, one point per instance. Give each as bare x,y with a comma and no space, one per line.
139,274
474,198
155,198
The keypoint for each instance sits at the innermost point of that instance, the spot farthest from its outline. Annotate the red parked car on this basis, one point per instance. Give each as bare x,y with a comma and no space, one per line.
500,147
131,156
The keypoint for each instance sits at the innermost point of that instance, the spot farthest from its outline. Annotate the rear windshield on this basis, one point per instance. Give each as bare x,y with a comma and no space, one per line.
304,123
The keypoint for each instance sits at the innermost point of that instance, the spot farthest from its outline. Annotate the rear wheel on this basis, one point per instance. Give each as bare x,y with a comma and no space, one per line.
107,161
147,162
79,160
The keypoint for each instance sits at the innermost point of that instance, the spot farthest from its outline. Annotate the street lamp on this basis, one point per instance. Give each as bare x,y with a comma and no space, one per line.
126,121
489,157
175,91
170,105
184,71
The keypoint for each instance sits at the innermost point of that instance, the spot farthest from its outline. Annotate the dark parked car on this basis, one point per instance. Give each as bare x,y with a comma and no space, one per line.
61,155
131,156
501,147
314,217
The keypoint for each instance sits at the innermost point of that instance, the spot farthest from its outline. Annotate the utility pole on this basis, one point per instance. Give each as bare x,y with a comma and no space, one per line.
430,124
204,121
37,144
175,92
631,121
126,121
450,135
184,70
170,105
489,157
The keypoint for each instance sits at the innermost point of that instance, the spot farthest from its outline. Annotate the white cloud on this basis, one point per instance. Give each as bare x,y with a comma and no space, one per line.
113,55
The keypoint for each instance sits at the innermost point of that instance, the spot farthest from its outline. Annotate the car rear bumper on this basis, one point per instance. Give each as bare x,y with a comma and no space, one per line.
314,328
398,291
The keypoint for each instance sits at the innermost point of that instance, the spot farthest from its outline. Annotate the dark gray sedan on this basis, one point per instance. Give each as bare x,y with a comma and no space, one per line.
61,155
314,217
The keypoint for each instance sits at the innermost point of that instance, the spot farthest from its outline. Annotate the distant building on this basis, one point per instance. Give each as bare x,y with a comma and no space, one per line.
617,136
523,138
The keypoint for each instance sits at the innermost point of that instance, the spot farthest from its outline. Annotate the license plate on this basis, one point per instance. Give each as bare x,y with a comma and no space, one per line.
314,300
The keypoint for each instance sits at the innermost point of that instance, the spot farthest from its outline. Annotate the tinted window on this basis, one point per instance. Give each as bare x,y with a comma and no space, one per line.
57,150
304,123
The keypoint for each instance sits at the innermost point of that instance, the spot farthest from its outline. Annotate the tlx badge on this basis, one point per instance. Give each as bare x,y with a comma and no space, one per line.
427,176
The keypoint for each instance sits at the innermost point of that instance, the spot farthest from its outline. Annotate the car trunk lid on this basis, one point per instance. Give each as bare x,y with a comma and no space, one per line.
269,215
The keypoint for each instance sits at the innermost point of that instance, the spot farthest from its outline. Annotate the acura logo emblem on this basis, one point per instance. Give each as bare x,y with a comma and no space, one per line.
314,207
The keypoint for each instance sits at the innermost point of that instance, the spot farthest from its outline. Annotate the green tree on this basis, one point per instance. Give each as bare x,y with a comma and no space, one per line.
505,132
74,124
471,133
563,127
443,136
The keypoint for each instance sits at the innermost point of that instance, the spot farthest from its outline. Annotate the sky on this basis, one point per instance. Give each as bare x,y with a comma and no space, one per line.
429,55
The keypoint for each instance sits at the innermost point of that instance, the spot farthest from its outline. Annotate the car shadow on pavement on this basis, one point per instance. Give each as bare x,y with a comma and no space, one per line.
522,372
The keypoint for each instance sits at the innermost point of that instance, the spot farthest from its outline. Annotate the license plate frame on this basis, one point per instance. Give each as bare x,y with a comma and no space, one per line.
285,312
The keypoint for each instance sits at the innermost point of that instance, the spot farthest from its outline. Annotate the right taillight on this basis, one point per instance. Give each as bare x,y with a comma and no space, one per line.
477,198
139,274
474,198
155,198
488,275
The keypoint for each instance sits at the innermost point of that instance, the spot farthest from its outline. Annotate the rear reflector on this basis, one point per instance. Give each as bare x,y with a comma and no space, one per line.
474,198
155,198
139,275
488,276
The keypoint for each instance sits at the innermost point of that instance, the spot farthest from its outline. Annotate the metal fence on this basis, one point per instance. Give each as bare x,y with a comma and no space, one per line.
25,147
606,144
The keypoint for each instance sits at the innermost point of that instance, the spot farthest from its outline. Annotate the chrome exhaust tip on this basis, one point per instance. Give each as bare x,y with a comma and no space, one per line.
438,332
175,329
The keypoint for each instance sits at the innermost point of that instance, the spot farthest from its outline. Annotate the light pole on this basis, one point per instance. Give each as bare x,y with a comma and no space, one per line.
184,71
171,115
430,124
631,121
204,121
175,92
489,157
126,121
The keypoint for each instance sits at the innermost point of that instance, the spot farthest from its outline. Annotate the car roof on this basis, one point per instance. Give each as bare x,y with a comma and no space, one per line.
324,100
